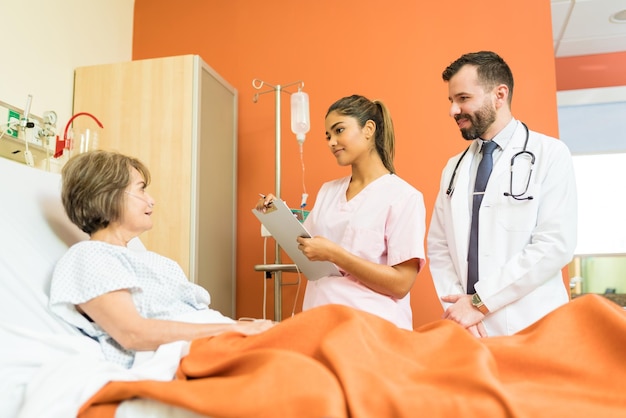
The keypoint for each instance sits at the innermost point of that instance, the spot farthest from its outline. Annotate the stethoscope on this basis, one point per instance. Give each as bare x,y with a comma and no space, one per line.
519,154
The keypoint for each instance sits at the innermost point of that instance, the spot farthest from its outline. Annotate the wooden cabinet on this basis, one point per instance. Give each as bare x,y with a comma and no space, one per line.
179,117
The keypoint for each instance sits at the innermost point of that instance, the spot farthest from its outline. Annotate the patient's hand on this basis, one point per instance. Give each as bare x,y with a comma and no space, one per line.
116,313
253,327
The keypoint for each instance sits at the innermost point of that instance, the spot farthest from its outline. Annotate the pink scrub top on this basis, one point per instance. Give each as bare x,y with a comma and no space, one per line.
384,224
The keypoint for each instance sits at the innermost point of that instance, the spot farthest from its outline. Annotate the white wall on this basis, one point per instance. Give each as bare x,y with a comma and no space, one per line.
591,121
591,124
43,41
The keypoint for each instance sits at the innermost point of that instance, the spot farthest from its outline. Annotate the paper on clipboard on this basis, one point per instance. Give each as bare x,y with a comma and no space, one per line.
285,228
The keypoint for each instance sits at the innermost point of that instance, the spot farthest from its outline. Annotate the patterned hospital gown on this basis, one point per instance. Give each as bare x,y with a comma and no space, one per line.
158,285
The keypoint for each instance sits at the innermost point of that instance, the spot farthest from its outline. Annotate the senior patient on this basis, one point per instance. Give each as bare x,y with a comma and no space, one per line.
128,300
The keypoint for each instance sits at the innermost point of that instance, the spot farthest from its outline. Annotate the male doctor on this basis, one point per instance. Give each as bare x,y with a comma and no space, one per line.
525,229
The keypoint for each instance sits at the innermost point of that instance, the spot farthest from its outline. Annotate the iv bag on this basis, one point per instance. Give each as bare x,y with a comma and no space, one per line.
300,121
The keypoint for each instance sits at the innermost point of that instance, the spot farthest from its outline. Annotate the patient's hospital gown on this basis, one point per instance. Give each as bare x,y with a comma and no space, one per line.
385,224
159,288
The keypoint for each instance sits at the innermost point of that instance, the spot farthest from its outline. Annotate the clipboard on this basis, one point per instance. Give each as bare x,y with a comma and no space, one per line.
285,228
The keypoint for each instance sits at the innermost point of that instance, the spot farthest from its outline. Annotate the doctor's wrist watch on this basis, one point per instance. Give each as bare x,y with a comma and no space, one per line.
478,304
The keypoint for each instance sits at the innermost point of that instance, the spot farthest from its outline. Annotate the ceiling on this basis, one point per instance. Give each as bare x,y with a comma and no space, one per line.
582,27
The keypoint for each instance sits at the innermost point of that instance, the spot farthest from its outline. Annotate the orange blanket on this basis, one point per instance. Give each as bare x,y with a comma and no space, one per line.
334,361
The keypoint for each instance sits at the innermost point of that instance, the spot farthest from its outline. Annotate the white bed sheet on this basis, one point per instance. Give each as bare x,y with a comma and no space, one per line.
48,368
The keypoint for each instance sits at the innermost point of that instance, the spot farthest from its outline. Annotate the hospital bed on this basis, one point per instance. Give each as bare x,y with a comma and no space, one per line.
331,361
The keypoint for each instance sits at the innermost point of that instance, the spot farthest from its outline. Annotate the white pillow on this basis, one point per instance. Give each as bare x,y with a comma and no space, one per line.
34,233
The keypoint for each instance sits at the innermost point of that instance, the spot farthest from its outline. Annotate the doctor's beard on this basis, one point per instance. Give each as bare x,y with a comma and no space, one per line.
481,120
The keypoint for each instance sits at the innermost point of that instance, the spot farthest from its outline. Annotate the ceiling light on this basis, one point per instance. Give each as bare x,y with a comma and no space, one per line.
618,17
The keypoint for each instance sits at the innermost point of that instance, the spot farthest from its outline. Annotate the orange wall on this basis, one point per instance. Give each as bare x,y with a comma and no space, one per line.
591,71
394,53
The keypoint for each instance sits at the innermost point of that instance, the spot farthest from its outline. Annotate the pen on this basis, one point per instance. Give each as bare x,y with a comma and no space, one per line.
262,195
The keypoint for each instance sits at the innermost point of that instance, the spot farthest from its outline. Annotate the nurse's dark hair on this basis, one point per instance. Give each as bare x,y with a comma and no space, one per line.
492,70
93,185
363,109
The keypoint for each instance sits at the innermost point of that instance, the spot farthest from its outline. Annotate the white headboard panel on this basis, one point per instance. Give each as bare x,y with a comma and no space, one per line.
34,233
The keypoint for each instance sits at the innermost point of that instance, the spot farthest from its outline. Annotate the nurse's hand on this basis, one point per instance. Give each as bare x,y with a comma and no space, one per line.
317,248
265,202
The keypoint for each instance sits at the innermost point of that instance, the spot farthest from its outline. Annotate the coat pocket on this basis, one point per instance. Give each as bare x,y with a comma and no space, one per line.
518,212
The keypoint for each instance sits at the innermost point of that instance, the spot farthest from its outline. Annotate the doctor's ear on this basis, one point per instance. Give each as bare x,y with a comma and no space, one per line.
502,94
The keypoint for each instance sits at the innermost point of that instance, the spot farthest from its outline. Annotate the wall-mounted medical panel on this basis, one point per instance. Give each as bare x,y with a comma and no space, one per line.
25,137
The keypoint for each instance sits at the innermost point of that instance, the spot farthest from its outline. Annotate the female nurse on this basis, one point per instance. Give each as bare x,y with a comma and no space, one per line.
371,224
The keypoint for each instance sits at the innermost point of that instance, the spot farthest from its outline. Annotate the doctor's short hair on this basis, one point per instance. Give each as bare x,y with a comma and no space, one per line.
492,70
93,186
363,109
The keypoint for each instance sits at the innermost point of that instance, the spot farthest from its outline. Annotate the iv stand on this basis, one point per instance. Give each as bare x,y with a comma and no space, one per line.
277,268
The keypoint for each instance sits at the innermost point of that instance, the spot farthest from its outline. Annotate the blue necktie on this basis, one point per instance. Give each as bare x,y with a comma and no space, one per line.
484,171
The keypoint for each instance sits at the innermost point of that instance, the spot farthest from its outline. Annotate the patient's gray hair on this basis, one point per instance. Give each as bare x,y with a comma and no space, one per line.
93,185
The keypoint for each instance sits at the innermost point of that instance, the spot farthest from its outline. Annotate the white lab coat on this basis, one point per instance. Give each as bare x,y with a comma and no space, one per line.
523,244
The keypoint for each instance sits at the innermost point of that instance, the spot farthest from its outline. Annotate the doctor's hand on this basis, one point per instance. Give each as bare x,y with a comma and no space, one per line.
463,312
317,248
478,330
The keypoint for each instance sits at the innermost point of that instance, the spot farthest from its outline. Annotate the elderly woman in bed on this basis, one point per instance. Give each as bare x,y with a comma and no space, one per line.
128,300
